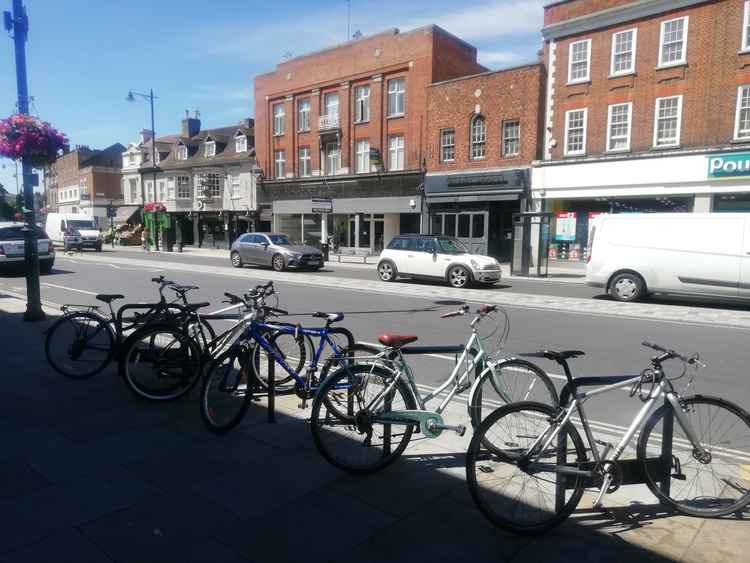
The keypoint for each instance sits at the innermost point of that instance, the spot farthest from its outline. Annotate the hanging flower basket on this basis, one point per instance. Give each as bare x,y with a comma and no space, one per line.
154,206
25,136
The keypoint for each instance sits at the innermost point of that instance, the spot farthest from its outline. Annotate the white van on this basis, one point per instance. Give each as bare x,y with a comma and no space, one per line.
704,254
74,231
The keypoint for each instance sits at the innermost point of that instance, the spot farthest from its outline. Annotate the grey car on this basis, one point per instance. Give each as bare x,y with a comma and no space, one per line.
275,250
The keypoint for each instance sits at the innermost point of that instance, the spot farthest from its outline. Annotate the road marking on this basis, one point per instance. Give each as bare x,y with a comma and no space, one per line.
70,289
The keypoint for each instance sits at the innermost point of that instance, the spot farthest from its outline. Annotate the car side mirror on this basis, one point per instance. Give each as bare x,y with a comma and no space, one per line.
434,252
265,245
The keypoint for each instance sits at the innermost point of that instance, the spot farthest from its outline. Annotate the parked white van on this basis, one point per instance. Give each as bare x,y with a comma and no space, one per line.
74,231
703,254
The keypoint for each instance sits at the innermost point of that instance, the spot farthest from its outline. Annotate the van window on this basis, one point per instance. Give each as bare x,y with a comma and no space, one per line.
17,233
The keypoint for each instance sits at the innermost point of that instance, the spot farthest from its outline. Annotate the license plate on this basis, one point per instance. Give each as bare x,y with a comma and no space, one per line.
313,262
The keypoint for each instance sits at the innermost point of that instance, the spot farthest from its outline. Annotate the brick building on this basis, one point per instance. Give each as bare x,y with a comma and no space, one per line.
483,133
348,124
85,181
647,109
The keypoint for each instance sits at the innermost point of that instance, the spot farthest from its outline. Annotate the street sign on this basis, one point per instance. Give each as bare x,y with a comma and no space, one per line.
111,211
375,156
322,205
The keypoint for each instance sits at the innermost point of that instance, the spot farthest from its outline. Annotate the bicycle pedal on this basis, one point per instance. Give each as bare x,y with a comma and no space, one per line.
678,476
459,429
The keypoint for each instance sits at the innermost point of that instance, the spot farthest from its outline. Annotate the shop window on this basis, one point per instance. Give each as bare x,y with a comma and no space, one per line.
477,226
449,225
623,52
667,121
673,42
731,203
463,225
579,61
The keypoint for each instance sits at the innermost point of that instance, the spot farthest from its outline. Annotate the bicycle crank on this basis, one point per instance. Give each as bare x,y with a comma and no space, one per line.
431,424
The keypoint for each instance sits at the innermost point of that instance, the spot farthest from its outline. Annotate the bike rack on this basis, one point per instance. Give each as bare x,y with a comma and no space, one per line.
632,470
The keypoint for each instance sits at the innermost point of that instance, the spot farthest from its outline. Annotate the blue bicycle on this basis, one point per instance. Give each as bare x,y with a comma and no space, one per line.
239,367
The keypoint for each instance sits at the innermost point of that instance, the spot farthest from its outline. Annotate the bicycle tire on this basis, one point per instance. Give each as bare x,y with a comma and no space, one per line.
223,390
697,407
322,425
291,349
102,326
341,363
521,381
184,363
479,459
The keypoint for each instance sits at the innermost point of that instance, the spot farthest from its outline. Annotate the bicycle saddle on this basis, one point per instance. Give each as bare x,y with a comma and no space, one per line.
560,356
332,317
183,288
396,340
109,297
193,307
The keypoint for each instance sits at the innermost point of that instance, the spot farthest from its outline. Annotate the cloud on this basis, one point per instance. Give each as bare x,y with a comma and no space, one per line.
220,92
506,58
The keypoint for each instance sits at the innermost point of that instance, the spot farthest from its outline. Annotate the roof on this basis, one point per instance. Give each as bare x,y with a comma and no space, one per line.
225,153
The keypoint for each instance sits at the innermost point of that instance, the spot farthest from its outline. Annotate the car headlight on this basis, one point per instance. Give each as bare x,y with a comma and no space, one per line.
474,264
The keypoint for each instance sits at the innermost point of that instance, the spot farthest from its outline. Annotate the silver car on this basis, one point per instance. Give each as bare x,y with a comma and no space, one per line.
274,249
12,247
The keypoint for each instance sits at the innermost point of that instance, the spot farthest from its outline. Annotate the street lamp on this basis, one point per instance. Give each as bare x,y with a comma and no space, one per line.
150,97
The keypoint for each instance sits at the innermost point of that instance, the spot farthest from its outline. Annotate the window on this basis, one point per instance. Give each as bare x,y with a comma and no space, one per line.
240,143
333,158
149,191
396,152
447,145
305,168
278,119
182,152
131,158
234,182
511,137
618,127
303,114
362,101
575,131
279,162
396,96
579,61
133,189
478,137
673,42
667,120
363,156
183,187
170,187
332,104
742,116
746,28
623,52
210,148
209,185
161,190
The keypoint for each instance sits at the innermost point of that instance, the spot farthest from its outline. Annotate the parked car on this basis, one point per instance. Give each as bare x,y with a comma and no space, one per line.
436,257
701,254
74,231
12,247
275,250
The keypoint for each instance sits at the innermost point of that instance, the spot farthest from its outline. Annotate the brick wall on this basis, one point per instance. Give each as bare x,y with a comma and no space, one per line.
561,11
374,60
708,81
512,94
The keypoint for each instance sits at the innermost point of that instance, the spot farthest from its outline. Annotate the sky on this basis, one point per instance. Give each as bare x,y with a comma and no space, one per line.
83,56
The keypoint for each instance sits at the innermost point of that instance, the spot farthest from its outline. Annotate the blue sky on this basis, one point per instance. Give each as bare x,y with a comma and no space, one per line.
84,55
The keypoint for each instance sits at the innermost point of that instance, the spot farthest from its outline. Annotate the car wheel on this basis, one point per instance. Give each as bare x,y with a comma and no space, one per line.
459,277
627,286
277,262
236,259
387,271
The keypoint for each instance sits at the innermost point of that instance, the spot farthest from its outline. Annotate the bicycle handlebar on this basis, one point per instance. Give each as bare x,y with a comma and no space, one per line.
670,354
458,312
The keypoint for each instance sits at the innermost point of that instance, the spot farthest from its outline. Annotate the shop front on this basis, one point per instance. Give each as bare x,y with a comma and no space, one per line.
576,192
477,208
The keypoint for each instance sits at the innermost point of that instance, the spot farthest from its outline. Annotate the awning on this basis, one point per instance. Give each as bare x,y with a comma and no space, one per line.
125,212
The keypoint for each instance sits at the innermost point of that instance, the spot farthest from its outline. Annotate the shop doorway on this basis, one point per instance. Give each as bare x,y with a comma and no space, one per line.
468,227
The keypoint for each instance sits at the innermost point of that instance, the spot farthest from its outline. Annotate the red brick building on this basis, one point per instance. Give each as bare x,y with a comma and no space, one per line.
483,133
348,124
647,109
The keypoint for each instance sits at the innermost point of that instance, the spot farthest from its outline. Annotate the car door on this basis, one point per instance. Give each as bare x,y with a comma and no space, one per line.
419,257
245,248
264,249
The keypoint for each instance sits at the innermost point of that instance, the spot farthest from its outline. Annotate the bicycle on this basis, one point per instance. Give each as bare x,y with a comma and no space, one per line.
527,466
227,390
381,392
84,340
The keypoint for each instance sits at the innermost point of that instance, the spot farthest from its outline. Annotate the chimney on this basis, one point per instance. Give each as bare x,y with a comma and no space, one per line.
146,135
191,126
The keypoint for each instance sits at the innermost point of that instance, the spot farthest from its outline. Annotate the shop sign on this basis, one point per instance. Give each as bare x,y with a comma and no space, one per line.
322,205
565,226
731,165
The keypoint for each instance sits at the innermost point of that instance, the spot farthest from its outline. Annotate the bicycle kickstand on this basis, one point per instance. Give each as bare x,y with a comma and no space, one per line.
606,482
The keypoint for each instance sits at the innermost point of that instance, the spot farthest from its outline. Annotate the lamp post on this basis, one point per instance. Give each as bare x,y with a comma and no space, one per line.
150,97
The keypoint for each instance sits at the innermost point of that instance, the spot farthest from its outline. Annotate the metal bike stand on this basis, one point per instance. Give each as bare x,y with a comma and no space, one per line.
271,390
632,470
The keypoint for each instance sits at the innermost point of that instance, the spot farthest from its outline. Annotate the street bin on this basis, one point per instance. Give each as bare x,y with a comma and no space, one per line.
179,246
531,238
325,249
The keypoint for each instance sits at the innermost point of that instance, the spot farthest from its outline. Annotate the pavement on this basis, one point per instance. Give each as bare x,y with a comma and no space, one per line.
90,473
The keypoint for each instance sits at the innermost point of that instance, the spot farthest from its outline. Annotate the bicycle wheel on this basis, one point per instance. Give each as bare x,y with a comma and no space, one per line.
291,349
346,359
354,443
227,390
514,499
715,485
79,345
512,381
160,363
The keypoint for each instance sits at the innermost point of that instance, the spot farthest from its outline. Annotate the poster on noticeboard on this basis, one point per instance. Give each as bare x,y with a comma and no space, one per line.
565,226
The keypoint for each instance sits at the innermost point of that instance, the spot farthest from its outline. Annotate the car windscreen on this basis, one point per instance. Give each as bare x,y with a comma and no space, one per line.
77,225
279,239
17,233
451,246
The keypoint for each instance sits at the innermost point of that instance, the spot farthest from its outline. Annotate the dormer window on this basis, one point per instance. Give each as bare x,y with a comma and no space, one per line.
182,152
158,157
210,148
240,143
131,158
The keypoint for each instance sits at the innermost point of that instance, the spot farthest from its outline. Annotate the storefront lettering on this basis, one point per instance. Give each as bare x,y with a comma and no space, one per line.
729,165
